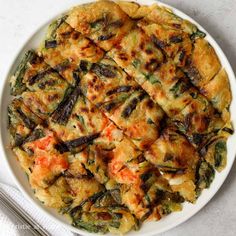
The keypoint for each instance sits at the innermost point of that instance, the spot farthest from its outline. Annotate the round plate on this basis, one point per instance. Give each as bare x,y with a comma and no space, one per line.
149,228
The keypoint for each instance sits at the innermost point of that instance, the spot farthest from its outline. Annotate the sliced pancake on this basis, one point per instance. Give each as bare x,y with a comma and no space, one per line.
22,121
137,55
218,92
29,67
103,22
120,116
183,103
176,44
134,10
170,88
76,121
177,161
106,85
65,193
57,180
143,188
117,163
100,213
215,150
80,180
96,156
45,93
67,51
42,87
201,73
46,162
139,117
199,121
71,188
165,16
205,174
57,195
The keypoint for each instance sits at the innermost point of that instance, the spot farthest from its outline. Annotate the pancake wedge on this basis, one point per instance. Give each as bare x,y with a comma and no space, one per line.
22,121
137,55
140,119
218,92
103,22
106,85
177,160
120,115
67,51
76,121
201,73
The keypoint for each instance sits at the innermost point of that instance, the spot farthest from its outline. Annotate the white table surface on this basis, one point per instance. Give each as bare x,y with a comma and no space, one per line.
20,18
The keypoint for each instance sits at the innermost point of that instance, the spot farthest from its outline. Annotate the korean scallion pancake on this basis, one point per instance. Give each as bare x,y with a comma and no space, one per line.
177,160
170,88
46,162
140,118
134,10
67,51
164,16
103,22
45,93
174,42
120,115
106,85
28,67
218,92
77,121
201,73
137,55
22,121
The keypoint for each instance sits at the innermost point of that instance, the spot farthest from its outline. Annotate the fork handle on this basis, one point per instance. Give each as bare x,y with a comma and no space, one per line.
34,228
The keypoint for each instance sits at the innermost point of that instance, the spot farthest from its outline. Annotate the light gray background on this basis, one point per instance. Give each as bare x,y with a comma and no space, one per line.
20,18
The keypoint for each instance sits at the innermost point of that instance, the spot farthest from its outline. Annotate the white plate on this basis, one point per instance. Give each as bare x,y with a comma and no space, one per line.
147,229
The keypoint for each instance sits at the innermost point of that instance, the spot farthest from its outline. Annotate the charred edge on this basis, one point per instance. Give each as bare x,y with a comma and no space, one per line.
153,65
160,45
192,72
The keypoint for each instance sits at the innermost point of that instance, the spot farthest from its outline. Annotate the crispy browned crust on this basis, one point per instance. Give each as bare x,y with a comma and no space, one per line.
122,114
218,91
103,22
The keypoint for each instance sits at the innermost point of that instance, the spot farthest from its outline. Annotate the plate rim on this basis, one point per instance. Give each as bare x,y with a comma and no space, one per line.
45,210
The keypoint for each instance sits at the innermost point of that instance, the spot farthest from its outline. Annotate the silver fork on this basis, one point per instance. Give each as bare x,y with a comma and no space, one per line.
22,216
